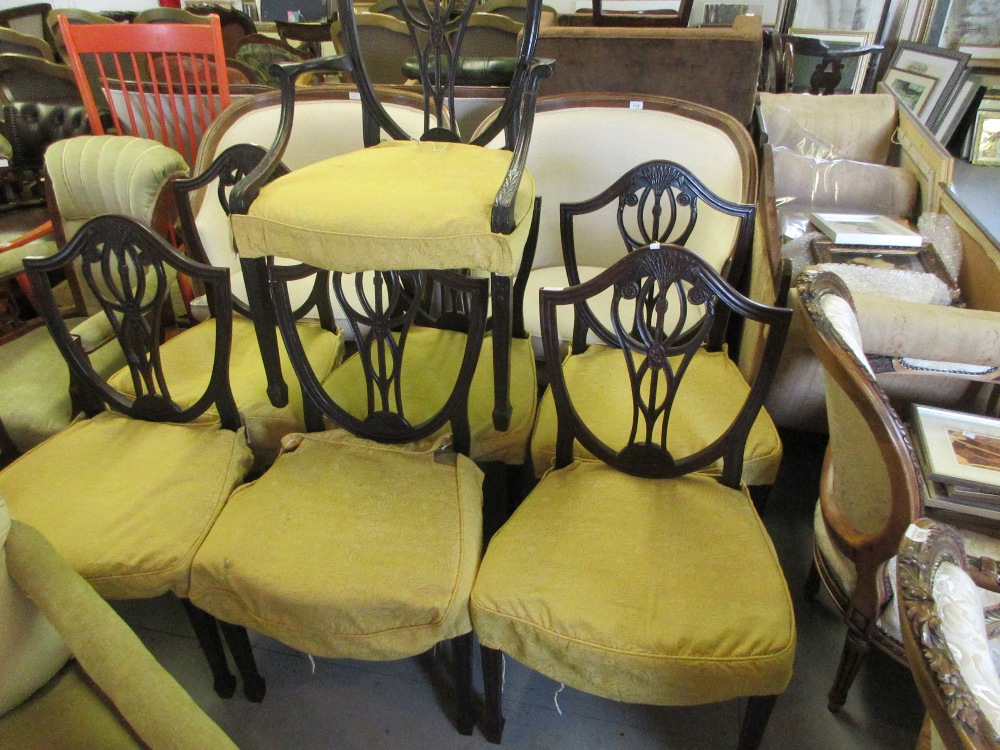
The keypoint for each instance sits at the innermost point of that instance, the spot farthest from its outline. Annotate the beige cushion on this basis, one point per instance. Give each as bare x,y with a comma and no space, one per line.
578,152
370,549
711,394
431,362
859,127
127,502
628,588
554,277
31,651
187,366
368,209
93,175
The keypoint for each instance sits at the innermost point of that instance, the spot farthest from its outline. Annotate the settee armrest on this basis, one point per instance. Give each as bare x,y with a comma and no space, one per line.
148,698
895,328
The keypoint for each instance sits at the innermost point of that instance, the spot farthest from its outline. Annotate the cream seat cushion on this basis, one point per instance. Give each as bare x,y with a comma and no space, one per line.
399,205
638,590
370,550
187,367
127,502
31,651
711,393
554,277
431,362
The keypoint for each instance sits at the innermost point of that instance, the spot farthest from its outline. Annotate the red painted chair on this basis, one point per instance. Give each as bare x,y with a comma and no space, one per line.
165,81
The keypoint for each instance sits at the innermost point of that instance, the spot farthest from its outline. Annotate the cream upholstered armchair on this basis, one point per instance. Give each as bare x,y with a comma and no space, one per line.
863,154
88,176
127,492
602,578
74,673
871,486
947,637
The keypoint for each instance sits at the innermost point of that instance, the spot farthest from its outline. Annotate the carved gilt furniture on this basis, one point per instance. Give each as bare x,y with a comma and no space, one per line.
577,584
947,637
870,489
127,494
362,204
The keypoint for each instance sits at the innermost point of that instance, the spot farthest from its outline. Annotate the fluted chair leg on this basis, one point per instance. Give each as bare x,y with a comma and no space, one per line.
206,630
493,720
254,687
856,647
758,711
461,647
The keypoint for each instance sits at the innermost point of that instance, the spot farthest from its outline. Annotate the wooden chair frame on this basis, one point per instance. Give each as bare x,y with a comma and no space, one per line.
12,37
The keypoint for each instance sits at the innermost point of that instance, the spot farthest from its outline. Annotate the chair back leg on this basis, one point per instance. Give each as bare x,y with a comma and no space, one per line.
493,720
206,630
461,647
758,711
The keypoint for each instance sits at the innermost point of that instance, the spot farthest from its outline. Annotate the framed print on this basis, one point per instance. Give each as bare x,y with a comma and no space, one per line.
959,105
914,90
959,448
967,26
945,66
986,139
852,77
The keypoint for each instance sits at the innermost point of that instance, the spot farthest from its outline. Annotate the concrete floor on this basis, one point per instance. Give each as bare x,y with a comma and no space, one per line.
348,704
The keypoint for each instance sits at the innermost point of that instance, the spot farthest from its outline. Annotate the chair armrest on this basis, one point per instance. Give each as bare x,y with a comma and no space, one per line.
150,700
985,572
245,191
896,328
502,221
93,333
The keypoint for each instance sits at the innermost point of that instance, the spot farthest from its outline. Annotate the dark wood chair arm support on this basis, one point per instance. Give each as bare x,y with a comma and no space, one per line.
503,205
985,571
246,190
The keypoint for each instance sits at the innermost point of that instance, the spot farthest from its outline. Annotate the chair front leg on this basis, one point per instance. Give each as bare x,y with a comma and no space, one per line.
501,299
493,720
461,647
254,687
206,630
264,323
758,711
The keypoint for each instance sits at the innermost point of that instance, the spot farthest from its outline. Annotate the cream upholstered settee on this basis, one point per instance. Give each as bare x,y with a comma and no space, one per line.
74,674
869,129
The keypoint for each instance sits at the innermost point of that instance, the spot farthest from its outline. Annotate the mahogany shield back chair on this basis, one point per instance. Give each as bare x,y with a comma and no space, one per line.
587,583
163,81
947,638
128,494
388,517
483,199
658,201
266,424
870,489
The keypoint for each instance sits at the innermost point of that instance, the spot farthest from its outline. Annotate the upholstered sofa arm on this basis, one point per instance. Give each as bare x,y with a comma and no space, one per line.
895,328
147,697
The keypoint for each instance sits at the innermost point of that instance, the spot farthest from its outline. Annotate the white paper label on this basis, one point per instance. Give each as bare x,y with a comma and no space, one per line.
354,95
635,105
916,534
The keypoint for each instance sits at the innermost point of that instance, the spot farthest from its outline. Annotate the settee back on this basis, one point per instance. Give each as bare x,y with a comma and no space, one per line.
716,67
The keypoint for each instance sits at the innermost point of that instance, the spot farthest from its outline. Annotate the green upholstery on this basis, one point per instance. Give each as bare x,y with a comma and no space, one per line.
115,694
34,384
131,500
340,207
712,393
186,359
638,590
432,360
397,530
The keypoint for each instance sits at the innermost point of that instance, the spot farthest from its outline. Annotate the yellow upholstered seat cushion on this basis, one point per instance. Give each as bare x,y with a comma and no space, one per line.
70,713
187,367
127,502
710,395
431,362
664,592
369,552
398,205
